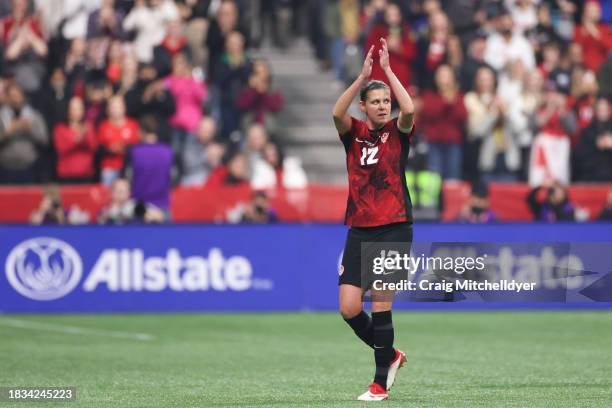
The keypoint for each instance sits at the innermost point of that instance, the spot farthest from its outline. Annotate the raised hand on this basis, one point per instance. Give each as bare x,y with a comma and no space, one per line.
366,71
383,54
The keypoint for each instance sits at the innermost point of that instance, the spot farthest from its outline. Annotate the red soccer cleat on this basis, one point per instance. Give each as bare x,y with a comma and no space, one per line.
374,393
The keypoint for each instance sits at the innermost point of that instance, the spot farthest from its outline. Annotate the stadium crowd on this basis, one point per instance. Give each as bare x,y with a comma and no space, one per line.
161,92
165,92
506,90
513,90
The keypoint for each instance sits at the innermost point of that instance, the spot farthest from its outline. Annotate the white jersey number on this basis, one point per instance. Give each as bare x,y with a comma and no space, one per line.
368,155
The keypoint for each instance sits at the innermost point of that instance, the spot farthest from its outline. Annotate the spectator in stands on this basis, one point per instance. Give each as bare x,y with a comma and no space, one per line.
50,210
549,203
544,32
259,211
233,71
550,153
584,95
399,41
551,57
467,17
523,113
234,173
149,19
491,141
24,47
343,29
121,208
201,154
454,55
149,96
524,14
195,15
594,37
75,66
74,17
97,93
115,134
173,43
256,140
562,75
76,144
267,171
511,80
189,94
150,165
121,67
53,99
474,60
477,210
259,102
606,211
442,119
107,21
594,151
23,133
505,45
564,12
432,49
225,22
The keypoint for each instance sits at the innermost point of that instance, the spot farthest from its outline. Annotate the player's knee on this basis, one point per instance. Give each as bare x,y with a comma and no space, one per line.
349,310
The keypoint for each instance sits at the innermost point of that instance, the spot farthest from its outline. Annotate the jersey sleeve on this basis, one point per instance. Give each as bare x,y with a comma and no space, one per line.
407,135
346,136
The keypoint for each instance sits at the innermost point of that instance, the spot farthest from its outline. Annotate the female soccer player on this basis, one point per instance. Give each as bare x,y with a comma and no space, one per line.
378,208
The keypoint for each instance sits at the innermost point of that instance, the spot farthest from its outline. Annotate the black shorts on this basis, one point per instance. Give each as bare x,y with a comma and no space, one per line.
364,245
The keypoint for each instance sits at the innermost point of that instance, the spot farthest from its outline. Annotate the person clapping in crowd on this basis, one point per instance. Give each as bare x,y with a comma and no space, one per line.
23,133
76,144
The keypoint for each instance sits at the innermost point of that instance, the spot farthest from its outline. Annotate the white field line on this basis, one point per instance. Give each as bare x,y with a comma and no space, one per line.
30,325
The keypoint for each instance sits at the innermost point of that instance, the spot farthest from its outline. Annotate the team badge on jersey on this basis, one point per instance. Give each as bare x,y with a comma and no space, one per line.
384,137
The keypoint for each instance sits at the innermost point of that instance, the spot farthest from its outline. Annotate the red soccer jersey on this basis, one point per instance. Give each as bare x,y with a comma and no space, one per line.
116,137
375,159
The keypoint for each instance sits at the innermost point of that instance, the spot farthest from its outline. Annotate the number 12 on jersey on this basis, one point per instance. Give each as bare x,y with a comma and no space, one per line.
368,155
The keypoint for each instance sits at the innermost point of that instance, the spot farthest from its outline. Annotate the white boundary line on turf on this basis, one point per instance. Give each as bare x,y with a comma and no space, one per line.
27,324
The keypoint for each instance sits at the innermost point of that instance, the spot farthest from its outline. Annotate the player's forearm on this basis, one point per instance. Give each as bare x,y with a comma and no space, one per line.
404,100
344,101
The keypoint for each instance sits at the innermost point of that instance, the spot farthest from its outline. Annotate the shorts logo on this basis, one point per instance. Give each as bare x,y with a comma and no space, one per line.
341,270
43,268
384,137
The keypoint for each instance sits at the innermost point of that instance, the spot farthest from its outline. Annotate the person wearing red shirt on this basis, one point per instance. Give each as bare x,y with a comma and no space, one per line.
401,47
442,118
258,101
114,135
75,143
432,50
594,37
234,173
550,151
378,211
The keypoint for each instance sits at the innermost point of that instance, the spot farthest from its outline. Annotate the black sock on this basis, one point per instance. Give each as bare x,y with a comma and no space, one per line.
383,345
363,328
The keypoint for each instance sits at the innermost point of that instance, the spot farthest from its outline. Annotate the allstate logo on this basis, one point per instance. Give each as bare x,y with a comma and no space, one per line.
44,268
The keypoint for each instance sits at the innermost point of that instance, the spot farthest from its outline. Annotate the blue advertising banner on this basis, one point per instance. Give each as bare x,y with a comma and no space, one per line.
263,268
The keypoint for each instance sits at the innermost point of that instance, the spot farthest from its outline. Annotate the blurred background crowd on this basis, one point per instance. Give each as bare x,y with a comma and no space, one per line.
144,95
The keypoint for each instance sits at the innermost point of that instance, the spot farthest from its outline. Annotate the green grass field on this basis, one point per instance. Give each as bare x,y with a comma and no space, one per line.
509,359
